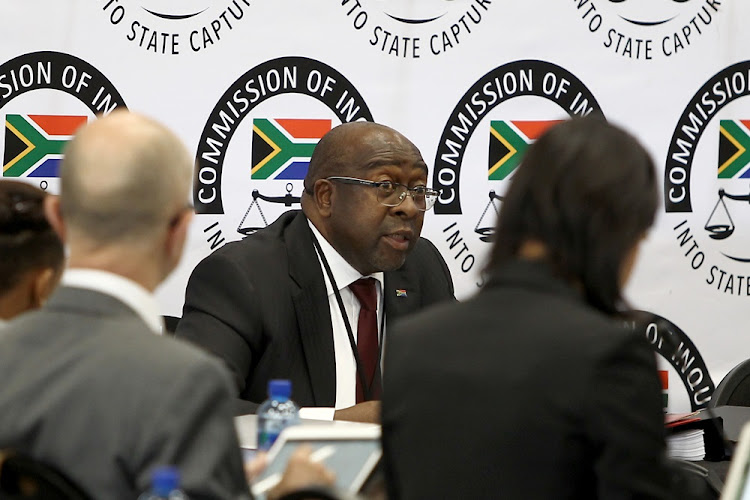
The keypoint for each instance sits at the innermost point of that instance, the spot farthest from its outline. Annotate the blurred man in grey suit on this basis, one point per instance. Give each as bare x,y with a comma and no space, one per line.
88,385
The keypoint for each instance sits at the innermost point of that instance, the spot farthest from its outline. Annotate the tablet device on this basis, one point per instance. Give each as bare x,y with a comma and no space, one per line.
737,486
350,451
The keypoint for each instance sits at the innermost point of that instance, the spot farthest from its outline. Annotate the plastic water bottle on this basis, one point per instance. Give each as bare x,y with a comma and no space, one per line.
276,413
165,485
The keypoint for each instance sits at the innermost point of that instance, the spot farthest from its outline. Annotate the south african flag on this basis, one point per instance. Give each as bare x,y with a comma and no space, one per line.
734,149
282,147
664,378
509,140
34,143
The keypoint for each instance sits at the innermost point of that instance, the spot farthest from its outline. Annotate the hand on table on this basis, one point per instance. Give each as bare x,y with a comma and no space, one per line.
302,472
368,412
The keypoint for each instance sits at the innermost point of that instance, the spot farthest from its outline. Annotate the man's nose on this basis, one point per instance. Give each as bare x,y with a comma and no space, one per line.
408,207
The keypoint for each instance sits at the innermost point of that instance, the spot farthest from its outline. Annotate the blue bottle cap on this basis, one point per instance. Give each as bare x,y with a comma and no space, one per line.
164,480
280,389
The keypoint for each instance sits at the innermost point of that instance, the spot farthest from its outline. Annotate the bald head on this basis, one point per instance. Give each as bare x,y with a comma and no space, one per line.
350,169
123,177
352,148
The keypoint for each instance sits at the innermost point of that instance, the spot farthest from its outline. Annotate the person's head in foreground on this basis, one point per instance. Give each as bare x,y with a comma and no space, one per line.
366,192
123,207
32,254
582,201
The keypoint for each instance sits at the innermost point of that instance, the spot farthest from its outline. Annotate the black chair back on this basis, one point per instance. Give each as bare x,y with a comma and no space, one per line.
24,478
734,389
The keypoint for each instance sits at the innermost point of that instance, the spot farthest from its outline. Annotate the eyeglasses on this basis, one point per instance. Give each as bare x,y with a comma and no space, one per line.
392,194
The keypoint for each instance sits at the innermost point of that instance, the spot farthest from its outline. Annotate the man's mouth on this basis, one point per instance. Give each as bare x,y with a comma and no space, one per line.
399,240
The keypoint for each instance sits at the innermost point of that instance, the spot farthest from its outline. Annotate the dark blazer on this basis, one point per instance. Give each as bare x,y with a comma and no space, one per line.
522,392
261,305
87,387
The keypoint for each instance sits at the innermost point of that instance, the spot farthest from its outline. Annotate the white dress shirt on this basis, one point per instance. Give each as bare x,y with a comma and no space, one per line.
127,291
344,275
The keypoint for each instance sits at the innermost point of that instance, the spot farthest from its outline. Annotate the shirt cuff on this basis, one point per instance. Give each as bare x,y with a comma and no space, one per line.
315,413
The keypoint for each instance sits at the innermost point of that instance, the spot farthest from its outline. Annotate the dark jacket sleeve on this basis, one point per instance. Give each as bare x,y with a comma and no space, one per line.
219,314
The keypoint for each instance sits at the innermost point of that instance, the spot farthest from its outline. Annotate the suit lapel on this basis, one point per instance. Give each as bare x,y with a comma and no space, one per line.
401,294
313,312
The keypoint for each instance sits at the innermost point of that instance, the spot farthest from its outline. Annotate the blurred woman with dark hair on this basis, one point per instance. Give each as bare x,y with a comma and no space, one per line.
533,389
31,254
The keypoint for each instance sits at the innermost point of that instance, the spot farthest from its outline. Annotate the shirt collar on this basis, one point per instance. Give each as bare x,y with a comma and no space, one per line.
342,271
127,291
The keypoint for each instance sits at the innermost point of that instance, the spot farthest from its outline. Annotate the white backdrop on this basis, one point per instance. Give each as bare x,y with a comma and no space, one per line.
209,68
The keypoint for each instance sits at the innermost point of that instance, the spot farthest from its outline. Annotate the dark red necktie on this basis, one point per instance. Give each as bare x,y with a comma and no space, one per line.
367,336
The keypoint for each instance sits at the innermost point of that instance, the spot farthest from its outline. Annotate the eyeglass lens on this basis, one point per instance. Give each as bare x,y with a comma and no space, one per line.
394,195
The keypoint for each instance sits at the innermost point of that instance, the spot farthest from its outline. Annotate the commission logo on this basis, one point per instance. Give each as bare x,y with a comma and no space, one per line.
680,360
417,28
34,135
510,107
647,29
175,28
707,182
276,113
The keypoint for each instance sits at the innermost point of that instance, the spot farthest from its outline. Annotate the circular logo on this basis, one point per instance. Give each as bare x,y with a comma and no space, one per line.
174,28
707,182
276,112
680,359
418,28
510,106
37,128
647,29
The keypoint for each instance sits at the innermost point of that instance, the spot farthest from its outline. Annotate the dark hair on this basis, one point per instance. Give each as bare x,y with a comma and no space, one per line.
587,191
27,241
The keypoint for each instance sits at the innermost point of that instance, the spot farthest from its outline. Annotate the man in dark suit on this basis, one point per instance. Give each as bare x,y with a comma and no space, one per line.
267,305
89,385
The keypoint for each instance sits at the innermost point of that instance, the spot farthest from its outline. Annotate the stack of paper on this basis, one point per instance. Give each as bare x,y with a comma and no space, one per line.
687,445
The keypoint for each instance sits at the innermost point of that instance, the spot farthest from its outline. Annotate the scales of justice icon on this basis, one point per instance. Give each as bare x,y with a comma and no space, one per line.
254,218
486,228
720,224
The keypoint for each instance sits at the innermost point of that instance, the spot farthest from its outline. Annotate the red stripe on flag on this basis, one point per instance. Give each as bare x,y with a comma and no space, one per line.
305,128
59,124
664,377
746,123
534,128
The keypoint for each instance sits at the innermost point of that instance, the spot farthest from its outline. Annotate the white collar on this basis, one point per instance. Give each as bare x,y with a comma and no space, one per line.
127,291
342,271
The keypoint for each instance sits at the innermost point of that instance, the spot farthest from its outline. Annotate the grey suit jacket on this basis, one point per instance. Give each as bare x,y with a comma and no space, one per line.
88,388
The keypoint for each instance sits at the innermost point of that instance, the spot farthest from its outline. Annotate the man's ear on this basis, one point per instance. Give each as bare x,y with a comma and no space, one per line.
53,212
323,194
177,235
44,283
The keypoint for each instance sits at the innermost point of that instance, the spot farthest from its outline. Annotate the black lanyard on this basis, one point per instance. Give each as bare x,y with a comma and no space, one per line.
352,343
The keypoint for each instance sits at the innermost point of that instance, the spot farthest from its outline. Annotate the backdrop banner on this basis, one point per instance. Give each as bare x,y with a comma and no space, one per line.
252,85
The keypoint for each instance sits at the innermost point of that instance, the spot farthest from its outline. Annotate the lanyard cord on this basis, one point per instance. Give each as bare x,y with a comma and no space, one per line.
352,343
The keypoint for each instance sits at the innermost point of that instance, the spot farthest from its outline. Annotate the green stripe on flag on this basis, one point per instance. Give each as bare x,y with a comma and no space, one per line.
515,143
737,136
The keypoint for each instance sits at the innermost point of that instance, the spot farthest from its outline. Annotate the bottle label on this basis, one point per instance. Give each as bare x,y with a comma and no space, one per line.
266,439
